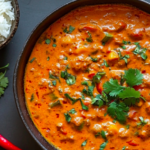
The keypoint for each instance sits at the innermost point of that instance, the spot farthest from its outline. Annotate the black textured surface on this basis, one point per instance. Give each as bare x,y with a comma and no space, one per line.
11,126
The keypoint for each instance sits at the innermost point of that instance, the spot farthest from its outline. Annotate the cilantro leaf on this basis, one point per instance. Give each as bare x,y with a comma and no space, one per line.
130,96
54,82
140,51
97,77
48,58
94,59
89,39
53,96
47,41
3,83
126,42
72,111
4,67
70,30
83,106
98,100
89,91
70,79
105,63
84,143
32,60
133,77
118,111
112,87
125,57
54,104
124,148
103,145
142,121
67,117
85,83
103,134
32,98
72,99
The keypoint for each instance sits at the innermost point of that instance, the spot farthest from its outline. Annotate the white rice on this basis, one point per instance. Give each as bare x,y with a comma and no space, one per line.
6,17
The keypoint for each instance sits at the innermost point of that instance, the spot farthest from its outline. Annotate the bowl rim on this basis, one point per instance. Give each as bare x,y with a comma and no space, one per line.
21,54
17,18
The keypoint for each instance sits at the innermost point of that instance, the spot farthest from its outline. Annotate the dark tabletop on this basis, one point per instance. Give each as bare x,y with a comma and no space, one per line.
11,126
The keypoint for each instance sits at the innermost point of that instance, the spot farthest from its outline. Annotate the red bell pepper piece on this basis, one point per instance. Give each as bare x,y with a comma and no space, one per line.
99,88
132,143
7,145
91,75
89,28
137,87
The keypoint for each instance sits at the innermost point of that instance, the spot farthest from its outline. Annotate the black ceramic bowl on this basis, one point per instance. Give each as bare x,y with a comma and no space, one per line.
24,56
14,24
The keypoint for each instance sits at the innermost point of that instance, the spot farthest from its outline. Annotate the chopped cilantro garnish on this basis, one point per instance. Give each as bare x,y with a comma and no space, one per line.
3,80
124,148
89,91
140,51
83,106
84,143
133,77
114,121
72,99
105,63
85,83
125,57
70,30
53,76
48,58
65,58
112,87
103,134
97,134
54,82
94,59
32,98
123,47
72,111
142,122
126,42
53,96
54,45
53,104
89,39
67,117
70,79
118,111
97,100
103,145
130,96
47,41
32,60
127,126
97,77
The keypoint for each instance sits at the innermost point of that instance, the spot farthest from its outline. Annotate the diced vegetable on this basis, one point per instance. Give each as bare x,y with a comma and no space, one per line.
113,56
53,104
107,37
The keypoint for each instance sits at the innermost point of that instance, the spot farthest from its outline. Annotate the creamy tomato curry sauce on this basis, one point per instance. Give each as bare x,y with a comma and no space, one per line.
87,82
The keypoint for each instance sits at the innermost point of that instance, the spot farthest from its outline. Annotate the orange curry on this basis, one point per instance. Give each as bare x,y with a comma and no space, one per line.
87,82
